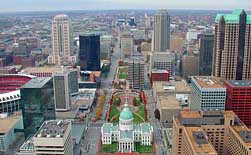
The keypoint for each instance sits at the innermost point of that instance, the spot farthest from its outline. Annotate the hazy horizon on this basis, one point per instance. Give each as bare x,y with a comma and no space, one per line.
59,5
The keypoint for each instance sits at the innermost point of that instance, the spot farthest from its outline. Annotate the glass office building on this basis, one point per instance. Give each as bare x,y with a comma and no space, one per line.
37,103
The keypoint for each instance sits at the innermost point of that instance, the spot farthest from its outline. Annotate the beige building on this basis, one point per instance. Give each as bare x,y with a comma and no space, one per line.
222,132
169,106
61,41
126,44
54,137
231,57
180,89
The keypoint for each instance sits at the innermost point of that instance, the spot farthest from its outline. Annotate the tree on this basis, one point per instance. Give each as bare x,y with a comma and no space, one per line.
116,101
136,101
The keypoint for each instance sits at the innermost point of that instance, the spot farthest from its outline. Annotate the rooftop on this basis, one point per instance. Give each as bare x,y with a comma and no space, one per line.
37,82
169,102
42,69
53,128
244,134
234,17
207,82
198,140
159,71
171,86
240,83
7,123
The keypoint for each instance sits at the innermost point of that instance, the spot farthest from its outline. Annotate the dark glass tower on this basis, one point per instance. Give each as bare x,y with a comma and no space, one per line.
89,52
37,104
206,53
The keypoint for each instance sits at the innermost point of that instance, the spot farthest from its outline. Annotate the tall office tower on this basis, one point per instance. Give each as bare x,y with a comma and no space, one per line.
163,61
239,99
232,49
65,84
136,72
207,93
61,40
206,44
161,36
204,132
89,52
37,103
54,137
126,44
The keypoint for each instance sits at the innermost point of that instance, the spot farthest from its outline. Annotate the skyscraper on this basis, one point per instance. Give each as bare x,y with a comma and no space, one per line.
231,58
61,40
126,43
65,84
206,54
161,36
136,72
89,52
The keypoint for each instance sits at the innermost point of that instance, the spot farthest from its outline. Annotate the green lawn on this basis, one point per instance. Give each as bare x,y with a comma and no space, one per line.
114,111
123,76
143,149
109,148
141,111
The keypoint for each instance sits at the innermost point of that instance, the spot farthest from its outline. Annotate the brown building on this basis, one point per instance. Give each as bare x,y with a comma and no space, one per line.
232,49
190,65
177,43
210,132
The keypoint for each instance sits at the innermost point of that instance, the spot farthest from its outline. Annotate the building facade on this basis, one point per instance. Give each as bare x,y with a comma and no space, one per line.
163,61
126,44
65,84
207,93
190,65
206,45
136,69
161,34
210,132
54,137
239,99
126,134
61,40
37,103
89,52
231,58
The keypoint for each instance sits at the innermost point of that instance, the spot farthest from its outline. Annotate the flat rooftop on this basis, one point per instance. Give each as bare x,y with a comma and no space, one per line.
37,82
42,69
198,141
7,123
171,86
240,83
53,128
244,134
159,71
207,82
198,118
169,102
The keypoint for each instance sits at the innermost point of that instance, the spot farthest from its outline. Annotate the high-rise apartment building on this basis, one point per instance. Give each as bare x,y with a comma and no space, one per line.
163,61
126,43
136,72
161,34
89,52
239,99
61,40
210,133
65,84
206,44
37,103
207,93
231,58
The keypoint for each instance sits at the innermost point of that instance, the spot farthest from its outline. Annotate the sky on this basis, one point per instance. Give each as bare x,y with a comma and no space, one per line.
50,5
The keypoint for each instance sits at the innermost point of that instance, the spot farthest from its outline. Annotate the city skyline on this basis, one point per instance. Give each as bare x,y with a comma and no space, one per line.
54,5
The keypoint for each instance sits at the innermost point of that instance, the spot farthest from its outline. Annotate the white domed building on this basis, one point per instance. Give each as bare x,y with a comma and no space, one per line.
127,133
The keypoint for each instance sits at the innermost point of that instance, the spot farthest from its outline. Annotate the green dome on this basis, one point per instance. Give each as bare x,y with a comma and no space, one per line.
126,114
